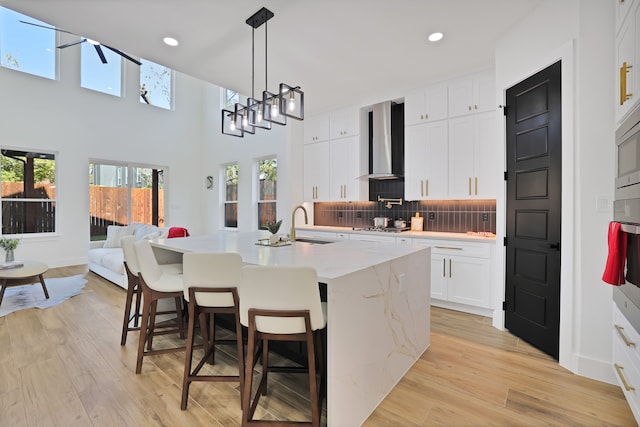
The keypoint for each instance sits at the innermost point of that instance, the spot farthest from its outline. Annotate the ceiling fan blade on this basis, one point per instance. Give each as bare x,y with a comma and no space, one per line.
62,46
121,53
100,54
48,28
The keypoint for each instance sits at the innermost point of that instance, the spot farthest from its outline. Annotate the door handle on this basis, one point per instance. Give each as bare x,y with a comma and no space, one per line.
555,246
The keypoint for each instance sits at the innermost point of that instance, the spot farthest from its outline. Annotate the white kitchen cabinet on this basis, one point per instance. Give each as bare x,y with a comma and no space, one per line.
426,105
381,237
622,11
460,275
473,156
344,170
626,359
316,172
426,174
472,94
316,128
627,57
344,123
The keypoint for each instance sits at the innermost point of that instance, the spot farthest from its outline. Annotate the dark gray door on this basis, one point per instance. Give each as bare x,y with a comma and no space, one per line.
534,140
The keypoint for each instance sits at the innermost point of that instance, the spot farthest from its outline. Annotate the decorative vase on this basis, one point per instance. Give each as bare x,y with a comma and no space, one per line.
274,239
8,256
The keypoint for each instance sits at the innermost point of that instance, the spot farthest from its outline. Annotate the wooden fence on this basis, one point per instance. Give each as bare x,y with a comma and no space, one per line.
109,206
20,216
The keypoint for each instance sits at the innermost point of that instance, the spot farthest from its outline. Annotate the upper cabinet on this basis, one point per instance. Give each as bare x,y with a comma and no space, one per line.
344,123
627,57
316,129
425,105
426,173
474,94
622,11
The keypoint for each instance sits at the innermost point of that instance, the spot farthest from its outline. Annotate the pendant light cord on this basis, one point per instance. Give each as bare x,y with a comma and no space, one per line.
265,56
253,65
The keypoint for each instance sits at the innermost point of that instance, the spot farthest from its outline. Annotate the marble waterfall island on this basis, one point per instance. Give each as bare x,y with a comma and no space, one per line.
378,298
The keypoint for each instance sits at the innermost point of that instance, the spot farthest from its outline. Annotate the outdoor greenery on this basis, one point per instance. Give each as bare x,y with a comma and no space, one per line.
13,170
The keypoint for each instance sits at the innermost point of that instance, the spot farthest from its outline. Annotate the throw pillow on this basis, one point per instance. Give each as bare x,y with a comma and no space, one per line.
114,234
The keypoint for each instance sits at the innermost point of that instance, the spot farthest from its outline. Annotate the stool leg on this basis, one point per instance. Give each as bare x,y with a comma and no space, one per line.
127,314
4,286
186,382
144,326
152,323
313,388
138,292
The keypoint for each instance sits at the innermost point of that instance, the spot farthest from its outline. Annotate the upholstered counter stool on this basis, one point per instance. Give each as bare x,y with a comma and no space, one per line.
156,284
210,287
281,304
133,287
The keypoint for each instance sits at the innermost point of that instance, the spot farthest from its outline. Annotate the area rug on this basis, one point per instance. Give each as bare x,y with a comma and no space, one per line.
31,296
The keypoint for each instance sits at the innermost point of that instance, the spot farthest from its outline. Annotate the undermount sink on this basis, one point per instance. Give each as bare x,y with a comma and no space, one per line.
312,241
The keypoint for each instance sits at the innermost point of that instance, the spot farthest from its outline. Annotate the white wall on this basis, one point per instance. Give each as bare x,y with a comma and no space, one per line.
581,34
79,125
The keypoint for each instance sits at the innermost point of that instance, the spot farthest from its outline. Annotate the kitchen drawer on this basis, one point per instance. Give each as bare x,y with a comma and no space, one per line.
626,372
404,240
373,238
448,247
626,336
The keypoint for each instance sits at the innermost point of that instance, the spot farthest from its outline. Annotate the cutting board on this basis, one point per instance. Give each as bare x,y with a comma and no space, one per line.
416,223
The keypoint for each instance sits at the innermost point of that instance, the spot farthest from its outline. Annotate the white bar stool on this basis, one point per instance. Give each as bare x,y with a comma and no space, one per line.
133,286
155,284
281,304
210,286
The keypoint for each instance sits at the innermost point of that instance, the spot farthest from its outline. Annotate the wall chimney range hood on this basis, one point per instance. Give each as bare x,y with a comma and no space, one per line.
386,150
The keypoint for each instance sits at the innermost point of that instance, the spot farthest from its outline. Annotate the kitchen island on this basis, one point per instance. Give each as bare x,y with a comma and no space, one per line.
378,300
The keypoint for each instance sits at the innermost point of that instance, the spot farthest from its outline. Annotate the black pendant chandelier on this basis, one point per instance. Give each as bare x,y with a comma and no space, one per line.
271,108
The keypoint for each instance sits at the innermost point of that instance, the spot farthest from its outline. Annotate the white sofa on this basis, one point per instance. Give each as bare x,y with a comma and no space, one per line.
105,257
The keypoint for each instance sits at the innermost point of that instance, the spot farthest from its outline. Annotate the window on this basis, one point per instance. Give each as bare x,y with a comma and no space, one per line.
95,75
267,178
231,196
230,98
114,199
27,48
28,192
155,84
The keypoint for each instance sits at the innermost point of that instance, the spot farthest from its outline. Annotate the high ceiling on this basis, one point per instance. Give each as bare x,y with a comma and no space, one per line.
338,51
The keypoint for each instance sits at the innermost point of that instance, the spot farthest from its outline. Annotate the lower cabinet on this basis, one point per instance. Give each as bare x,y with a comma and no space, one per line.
626,359
460,270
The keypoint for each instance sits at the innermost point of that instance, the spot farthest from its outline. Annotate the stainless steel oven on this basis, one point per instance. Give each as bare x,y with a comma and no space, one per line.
628,158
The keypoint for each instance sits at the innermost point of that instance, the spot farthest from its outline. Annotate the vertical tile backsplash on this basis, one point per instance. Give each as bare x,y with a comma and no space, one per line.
456,216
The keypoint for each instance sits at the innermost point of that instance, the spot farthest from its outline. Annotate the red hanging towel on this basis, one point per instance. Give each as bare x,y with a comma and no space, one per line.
177,232
614,270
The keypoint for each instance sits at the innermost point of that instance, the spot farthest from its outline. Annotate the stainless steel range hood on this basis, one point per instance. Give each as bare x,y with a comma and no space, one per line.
381,143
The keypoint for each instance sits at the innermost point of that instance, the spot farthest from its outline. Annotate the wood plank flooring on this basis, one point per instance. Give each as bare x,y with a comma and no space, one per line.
63,366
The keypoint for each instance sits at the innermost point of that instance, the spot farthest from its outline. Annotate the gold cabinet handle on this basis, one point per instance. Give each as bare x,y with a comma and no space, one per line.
469,185
627,386
426,116
421,188
448,247
449,267
626,340
476,185
444,267
426,187
624,96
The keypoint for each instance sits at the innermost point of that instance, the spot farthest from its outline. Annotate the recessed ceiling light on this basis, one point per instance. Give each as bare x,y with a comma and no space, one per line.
170,41
434,37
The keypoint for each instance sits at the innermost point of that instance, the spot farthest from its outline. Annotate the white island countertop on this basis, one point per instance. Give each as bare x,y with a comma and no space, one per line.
333,260
378,308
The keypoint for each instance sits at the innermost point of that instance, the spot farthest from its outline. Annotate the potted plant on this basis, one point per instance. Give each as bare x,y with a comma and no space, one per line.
9,244
273,227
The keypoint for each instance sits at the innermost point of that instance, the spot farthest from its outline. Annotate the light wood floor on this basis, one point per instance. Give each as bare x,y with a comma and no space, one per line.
64,366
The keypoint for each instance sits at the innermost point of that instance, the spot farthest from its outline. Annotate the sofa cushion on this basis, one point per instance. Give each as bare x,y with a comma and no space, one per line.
114,261
95,255
145,231
115,233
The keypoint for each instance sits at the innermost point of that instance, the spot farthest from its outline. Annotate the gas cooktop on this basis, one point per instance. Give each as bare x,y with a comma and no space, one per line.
382,229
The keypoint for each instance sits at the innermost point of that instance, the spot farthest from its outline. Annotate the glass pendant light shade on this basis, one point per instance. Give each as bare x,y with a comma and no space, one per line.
256,114
242,118
291,101
272,110
230,124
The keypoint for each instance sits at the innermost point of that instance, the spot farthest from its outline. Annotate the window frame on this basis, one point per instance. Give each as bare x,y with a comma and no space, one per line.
257,184
171,88
111,56
223,193
54,202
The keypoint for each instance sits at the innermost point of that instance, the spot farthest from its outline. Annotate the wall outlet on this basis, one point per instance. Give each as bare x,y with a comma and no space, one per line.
432,216
485,217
